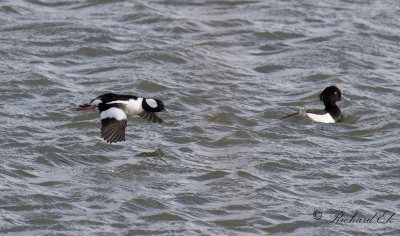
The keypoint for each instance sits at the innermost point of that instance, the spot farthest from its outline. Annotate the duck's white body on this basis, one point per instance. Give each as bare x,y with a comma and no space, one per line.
326,118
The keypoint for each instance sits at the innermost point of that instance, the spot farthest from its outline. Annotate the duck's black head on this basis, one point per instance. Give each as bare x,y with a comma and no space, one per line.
330,96
161,106
153,105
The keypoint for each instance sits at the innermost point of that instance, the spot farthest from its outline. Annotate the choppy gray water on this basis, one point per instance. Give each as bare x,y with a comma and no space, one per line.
223,163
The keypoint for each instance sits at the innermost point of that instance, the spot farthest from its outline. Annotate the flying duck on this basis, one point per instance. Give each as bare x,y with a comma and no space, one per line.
114,109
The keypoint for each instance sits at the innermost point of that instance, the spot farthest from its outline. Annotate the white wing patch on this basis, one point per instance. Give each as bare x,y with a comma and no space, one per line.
118,101
113,112
326,118
152,103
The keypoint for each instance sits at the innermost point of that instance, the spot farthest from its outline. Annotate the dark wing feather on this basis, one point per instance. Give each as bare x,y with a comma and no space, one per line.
113,130
150,116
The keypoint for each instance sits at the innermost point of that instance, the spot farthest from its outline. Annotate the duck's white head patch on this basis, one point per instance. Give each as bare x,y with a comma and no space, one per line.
113,112
152,103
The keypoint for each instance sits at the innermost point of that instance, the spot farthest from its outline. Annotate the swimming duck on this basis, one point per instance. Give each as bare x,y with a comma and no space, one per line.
331,113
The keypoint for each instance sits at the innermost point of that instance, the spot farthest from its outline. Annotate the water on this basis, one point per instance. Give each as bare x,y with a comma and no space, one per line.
223,163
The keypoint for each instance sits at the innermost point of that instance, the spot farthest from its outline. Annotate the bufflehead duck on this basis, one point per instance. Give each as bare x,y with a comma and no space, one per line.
331,113
115,108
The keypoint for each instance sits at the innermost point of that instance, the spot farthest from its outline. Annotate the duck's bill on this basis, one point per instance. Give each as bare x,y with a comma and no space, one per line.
345,98
85,107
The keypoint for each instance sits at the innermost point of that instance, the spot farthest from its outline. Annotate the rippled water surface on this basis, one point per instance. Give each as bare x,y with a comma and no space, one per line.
222,163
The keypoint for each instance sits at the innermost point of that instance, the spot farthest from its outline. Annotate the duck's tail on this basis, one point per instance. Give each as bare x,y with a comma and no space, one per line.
85,107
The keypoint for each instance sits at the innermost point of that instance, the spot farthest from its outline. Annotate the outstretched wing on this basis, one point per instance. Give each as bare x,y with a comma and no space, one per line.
113,124
150,116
